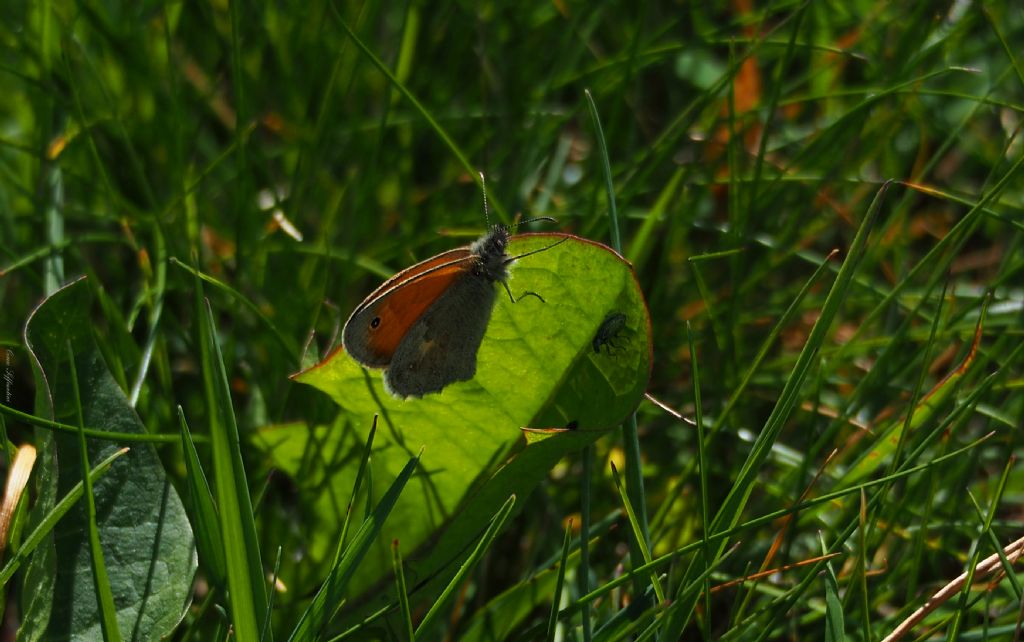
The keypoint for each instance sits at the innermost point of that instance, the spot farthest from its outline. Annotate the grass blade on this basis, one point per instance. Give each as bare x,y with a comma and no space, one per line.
247,588
485,542
317,615
556,599
101,580
729,514
638,535
209,540
403,592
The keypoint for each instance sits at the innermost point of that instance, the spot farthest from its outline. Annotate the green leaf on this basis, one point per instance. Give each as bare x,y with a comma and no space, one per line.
537,364
522,472
143,529
536,367
101,579
41,531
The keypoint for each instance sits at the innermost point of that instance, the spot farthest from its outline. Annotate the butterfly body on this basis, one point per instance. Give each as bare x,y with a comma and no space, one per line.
425,324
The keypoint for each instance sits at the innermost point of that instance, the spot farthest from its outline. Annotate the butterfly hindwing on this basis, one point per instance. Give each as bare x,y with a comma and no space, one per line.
441,346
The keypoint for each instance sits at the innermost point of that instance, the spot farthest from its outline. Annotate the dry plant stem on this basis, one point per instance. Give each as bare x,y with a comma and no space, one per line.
664,406
985,567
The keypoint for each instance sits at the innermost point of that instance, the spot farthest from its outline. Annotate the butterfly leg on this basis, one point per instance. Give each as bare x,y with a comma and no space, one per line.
524,294
529,293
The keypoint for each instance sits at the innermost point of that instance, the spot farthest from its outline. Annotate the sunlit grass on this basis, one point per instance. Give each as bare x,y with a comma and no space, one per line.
151,147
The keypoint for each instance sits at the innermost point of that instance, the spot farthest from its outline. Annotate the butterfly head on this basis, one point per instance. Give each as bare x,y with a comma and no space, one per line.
491,252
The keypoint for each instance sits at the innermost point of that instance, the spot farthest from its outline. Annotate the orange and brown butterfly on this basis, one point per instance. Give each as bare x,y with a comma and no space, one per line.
425,324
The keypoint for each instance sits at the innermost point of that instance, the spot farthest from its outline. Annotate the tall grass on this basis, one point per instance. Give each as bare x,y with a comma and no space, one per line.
858,425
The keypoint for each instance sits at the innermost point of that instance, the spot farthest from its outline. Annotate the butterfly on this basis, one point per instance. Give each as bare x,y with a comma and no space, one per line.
424,325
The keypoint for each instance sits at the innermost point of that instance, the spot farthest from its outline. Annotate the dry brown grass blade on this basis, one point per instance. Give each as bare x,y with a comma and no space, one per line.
987,566
771,571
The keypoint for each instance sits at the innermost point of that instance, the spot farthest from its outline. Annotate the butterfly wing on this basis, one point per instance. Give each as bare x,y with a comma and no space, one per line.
377,327
440,348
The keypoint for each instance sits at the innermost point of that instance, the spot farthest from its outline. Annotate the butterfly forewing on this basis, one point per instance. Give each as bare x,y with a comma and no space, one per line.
378,325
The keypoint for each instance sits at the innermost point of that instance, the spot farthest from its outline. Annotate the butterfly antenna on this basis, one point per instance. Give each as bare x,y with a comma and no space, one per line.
483,188
535,219
537,251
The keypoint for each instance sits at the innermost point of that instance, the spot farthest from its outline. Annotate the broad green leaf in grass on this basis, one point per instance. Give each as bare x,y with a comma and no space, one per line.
537,364
536,367
42,531
521,473
144,532
324,488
